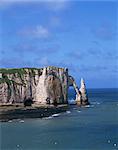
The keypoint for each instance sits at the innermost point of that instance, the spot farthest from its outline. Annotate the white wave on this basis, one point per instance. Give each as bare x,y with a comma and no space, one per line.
78,111
87,106
55,115
68,112
55,143
18,145
21,121
50,117
17,119
114,144
74,108
109,141
10,121
71,101
95,103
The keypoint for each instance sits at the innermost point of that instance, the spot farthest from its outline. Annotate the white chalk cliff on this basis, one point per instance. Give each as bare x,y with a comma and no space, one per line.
82,98
48,85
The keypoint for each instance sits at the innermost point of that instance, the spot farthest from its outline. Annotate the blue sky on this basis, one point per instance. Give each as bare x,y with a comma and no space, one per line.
80,35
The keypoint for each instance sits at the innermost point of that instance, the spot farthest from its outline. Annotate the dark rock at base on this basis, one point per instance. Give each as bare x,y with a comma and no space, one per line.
30,112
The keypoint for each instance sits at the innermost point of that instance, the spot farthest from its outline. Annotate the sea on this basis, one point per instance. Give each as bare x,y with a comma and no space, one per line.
94,127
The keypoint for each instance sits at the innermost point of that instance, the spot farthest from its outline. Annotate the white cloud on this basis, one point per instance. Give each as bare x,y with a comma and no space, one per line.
54,5
36,32
41,31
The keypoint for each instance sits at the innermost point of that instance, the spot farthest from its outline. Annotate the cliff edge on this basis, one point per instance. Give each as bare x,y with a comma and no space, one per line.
48,85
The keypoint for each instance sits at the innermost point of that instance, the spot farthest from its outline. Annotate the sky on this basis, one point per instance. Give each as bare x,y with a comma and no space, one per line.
79,35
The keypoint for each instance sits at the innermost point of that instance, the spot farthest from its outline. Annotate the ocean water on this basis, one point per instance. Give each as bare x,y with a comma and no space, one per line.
87,128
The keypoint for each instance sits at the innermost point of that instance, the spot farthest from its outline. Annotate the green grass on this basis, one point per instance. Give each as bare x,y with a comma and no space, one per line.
20,72
12,71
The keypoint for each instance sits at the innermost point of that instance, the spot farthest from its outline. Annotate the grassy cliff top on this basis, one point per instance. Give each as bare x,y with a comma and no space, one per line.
23,70
16,70
20,73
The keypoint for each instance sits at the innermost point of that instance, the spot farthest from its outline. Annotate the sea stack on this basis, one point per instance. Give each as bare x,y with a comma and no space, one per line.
82,97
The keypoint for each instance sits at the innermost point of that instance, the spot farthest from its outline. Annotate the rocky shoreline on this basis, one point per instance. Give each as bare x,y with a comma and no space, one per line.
35,111
37,92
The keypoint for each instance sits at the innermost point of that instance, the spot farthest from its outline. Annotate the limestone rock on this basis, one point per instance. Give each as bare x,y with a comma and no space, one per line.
41,93
78,99
43,85
48,85
82,98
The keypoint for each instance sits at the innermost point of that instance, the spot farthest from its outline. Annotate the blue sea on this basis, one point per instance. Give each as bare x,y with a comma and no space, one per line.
87,128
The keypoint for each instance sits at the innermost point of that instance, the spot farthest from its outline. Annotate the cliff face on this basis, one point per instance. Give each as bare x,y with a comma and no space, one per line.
45,85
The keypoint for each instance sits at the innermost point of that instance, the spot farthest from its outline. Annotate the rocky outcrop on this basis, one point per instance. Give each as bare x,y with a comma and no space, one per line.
44,86
48,85
82,98
52,86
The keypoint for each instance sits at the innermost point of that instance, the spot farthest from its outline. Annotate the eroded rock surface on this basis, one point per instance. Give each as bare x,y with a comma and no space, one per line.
47,85
82,97
52,86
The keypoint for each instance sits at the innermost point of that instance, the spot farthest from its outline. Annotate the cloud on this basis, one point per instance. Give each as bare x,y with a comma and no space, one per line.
76,55
56,5
93,68
34,49
18,62
98,69
14,62
109,54
104,32
53,5
38,31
